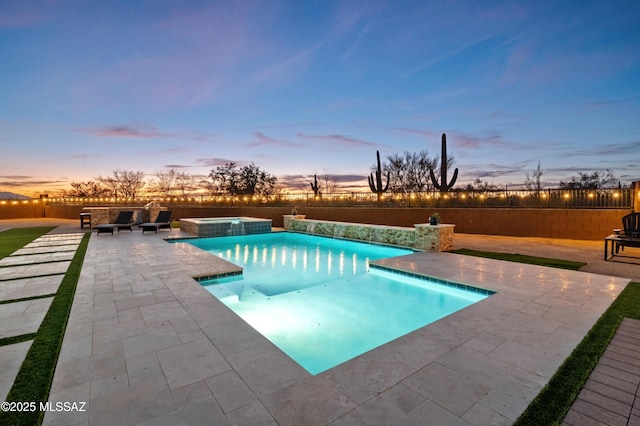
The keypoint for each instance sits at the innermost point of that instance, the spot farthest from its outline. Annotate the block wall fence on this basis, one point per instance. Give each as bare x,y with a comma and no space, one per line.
581,224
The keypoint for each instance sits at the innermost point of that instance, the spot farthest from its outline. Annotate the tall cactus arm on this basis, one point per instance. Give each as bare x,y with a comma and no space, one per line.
372,185
434,180
388,180
453,179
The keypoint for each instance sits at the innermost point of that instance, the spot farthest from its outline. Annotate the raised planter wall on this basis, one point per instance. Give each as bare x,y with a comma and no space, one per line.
581,224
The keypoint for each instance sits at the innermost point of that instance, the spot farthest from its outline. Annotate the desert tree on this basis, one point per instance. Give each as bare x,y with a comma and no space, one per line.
409,171
479,185
329,182
533,182
596,180
231,179
185,183
87,189
123,183
163,183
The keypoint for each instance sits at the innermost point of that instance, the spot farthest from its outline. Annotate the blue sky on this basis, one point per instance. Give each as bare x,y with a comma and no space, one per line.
304,87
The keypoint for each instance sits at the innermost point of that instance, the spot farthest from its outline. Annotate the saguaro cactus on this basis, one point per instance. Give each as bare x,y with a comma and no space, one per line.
315,185
376,186
443,186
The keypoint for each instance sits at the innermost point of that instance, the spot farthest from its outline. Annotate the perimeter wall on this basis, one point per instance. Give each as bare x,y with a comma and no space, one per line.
581,224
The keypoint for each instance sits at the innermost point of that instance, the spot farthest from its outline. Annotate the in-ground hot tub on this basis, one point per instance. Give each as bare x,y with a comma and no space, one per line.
225,226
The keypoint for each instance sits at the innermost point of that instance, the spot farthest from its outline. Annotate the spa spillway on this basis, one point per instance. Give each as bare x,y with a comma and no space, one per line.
225,226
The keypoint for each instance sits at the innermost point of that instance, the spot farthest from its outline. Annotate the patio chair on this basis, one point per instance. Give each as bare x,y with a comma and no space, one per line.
631,225
163,221
123,221
630,235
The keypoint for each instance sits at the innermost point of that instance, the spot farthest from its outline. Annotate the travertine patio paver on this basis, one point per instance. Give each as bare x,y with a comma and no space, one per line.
11,357
60,237
52,242
22,317
46,249
29,287
30,259
497,354
29,271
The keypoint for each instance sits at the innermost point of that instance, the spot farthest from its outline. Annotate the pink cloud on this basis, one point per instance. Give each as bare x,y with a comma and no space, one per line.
266,140
421,132
137,130
337,139
214,161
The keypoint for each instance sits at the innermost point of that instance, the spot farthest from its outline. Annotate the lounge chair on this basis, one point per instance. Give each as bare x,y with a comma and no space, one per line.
123,221
163,221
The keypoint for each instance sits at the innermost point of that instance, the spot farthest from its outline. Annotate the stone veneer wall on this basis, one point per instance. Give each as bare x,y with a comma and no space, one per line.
438,238
188,226
422,236
226,228
102,215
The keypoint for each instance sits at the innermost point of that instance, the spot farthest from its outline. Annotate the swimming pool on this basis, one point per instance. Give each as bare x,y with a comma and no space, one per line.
318,299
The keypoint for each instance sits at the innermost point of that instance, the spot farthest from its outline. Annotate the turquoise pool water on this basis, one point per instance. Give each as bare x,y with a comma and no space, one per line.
318,300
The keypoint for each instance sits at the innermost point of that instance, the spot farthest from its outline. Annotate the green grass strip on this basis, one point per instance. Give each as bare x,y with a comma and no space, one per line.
521,258
34,379
24,299
16,339
16,238
555,399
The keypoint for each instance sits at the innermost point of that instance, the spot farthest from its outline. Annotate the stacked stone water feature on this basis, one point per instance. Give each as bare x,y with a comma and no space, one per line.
422,236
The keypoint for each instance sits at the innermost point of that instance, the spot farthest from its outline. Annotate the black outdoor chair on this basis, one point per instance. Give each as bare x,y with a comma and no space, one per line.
163,221
123,221
631,225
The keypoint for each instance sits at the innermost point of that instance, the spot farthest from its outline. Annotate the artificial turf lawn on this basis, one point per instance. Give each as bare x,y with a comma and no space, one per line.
555,399
16,238
33,381
521,258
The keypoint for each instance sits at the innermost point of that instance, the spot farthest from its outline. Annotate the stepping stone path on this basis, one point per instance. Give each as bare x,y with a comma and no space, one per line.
35,270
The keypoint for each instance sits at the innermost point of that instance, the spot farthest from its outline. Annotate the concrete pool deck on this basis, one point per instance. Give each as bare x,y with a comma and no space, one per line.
147,344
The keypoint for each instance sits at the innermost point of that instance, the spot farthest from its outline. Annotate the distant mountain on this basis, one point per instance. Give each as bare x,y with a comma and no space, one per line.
12,196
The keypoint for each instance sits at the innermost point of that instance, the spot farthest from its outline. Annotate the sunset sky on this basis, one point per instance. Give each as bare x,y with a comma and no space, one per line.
304,87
